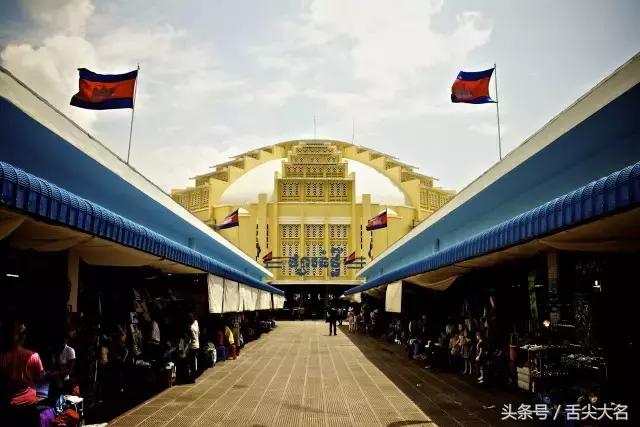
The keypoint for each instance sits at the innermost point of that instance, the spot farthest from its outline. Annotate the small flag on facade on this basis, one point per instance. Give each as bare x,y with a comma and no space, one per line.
472,87
268,257
350,259
231,220
105,91
378,221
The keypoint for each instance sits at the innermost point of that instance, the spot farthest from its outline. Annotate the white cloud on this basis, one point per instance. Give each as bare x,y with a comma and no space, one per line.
49,70
215,79
61,16
387,46
178,78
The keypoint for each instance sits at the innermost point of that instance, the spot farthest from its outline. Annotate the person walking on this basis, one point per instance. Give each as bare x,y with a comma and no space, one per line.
481,356
351,317
332,315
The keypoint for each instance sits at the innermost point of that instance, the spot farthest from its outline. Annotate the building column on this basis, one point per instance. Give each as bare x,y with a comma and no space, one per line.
73,273
261,217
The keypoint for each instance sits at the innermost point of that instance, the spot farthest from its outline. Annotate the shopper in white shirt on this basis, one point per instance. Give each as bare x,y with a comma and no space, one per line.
153,340
63,362
194,347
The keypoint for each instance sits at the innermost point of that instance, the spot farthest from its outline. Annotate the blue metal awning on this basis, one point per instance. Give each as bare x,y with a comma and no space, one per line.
48,202
612,194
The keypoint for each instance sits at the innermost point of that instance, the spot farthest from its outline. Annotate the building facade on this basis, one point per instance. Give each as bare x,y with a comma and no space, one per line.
307,204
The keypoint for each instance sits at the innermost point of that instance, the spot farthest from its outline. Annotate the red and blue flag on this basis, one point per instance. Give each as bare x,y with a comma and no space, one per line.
105,91
350,259
378,221
268,257
231,220
472,87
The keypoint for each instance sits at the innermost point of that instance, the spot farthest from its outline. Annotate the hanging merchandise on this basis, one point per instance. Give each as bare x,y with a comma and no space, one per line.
533,301
583,317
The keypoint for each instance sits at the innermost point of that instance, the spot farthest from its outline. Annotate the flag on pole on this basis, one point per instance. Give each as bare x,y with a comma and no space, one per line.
105,91
350,259
378,221
268,257
472,87
229,221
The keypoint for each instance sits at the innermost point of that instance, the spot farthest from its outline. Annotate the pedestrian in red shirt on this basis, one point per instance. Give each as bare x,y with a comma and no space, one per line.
20,371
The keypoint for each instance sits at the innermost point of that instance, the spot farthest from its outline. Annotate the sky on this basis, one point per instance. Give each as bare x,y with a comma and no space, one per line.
219,78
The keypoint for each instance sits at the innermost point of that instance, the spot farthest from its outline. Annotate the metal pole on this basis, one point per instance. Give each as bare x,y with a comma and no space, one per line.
353,130
495,81
133,110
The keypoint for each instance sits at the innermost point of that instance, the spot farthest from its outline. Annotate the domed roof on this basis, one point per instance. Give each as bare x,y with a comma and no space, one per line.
260,179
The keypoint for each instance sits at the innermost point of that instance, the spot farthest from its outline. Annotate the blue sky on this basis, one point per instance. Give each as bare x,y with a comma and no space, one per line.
219,78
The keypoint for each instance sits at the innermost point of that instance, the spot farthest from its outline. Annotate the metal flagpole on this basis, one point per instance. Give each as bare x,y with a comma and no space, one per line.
353,130
495,81
133,110
387,227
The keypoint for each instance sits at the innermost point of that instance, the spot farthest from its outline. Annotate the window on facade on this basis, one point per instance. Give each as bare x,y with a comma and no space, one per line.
314,248
314,191
289,244
315,172
433,200
338,243
289,191
338,191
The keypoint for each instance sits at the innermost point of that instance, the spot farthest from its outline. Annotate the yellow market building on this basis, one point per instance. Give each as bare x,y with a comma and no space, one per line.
307,203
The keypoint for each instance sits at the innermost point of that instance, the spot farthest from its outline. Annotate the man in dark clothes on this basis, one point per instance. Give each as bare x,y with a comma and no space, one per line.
332,317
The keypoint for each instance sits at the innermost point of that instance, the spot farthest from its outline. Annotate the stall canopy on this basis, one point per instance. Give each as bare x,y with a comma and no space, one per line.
393,298
254,299
231,301
43,216
238,298
248,297
278,301
264,300
603,209
215,285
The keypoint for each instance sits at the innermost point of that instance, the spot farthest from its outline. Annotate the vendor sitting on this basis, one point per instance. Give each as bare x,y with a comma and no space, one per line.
63,362
228,335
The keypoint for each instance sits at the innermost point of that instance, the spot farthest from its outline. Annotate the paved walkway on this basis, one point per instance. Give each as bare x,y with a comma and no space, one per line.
448,398
296,375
